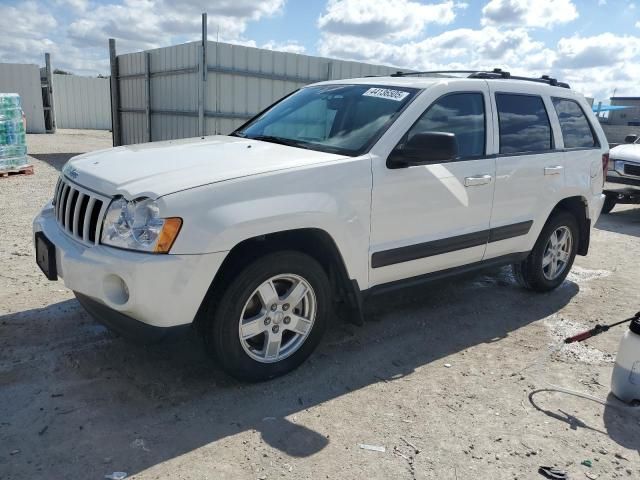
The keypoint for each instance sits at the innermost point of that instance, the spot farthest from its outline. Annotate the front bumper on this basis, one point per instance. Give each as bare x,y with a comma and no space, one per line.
618,182
158,290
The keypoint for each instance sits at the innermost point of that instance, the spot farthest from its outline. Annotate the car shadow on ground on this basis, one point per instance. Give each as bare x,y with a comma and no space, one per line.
82,388
56,160
625,221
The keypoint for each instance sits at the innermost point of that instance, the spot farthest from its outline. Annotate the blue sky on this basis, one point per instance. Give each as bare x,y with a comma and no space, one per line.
593,44
299,21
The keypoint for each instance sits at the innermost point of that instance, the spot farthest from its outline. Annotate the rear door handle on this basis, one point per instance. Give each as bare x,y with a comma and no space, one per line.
553,170
477,180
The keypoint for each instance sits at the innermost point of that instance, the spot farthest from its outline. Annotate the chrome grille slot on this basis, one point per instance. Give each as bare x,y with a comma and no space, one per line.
78,211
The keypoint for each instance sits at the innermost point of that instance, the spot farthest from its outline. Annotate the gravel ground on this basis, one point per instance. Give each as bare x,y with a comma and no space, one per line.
454,379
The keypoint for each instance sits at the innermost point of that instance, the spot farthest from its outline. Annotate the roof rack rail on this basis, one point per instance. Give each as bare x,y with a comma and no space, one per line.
406,74
495,73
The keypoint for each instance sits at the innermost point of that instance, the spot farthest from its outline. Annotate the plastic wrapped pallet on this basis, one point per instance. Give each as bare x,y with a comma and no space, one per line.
13,139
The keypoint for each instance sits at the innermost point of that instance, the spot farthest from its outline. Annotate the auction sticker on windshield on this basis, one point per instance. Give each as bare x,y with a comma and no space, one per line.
389,94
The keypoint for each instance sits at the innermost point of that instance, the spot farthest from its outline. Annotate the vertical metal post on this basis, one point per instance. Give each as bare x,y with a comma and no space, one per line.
115,94
52,113
330,71
147,85
202,128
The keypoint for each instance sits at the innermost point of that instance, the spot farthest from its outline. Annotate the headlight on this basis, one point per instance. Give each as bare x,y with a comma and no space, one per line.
136,225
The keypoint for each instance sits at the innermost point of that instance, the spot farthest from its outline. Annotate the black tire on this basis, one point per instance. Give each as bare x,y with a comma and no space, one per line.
609,203
529,273
222,315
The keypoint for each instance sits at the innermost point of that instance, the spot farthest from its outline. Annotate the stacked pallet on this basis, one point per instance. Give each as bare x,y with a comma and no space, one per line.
13,142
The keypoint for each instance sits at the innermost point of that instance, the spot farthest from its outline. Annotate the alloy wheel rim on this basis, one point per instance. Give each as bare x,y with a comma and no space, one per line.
557,253
277,318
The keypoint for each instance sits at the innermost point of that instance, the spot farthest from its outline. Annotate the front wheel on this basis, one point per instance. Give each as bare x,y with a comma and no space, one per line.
552,256
270,317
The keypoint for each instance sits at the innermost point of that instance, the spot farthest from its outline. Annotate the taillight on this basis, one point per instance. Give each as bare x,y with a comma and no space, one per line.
605,167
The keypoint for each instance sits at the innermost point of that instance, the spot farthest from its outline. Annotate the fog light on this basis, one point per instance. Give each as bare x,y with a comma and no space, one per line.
116,290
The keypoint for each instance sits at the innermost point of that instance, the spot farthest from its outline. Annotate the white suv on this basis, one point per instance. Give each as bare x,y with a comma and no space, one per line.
338,191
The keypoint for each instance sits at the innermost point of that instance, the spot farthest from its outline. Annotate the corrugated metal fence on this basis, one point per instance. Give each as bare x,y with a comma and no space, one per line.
25,80
82,102
209,88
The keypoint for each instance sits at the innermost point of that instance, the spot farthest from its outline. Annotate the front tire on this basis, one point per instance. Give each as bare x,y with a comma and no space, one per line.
552,256
270,317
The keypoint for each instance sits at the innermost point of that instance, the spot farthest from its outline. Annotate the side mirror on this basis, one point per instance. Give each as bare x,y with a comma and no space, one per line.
630,138
424,148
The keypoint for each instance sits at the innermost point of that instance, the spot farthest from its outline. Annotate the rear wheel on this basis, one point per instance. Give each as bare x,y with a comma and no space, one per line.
609,203
551,259
270,317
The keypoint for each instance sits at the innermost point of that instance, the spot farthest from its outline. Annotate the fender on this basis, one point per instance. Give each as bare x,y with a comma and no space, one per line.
334,197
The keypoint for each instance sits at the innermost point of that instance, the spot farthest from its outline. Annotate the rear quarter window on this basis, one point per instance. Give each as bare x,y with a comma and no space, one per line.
576,129
524,124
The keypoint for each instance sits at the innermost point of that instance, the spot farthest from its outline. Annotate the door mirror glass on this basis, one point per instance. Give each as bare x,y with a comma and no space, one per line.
424,148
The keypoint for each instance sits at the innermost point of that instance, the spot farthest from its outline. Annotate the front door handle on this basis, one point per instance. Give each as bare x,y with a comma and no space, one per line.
556,170
477,180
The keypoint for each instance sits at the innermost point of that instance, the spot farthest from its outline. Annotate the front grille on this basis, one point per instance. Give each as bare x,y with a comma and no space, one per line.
632,169
79,211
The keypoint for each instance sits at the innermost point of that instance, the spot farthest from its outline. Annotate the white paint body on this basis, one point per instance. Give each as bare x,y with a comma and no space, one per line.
229,189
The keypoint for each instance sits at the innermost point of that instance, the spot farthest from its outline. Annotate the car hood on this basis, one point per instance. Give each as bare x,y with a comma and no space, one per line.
159,168
629,151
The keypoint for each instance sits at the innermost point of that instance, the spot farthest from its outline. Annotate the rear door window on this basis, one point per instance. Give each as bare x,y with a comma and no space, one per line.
576,130
524,124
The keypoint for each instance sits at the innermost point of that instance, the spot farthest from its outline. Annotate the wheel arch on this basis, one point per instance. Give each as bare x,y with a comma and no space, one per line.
315,242
579,208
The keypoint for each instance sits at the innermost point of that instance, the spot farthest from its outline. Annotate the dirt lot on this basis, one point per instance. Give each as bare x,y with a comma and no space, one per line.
440,376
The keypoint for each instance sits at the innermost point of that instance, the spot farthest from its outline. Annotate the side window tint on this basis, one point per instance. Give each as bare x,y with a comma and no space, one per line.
524,124
458,113
575,127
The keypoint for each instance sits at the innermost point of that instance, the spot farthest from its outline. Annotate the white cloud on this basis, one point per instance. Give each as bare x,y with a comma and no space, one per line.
461,48
76,5
591,65
142,24
24,33
290,46
29,29
529,13
605,50
393,19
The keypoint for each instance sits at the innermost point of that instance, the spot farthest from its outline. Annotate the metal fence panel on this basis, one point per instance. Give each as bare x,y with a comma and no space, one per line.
81,102
240,82
131,70
25,80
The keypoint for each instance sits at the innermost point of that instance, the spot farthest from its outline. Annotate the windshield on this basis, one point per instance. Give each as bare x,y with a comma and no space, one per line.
344,119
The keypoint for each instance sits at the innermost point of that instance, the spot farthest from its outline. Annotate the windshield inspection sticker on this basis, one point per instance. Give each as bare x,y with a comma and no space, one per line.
389,94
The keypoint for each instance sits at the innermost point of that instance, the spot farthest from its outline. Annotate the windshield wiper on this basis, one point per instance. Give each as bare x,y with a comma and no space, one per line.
280,140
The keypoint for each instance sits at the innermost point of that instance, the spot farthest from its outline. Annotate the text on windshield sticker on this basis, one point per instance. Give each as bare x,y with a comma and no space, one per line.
389,94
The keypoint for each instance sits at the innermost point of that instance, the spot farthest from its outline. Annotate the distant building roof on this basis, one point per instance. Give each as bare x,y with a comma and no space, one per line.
608,108
625,98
